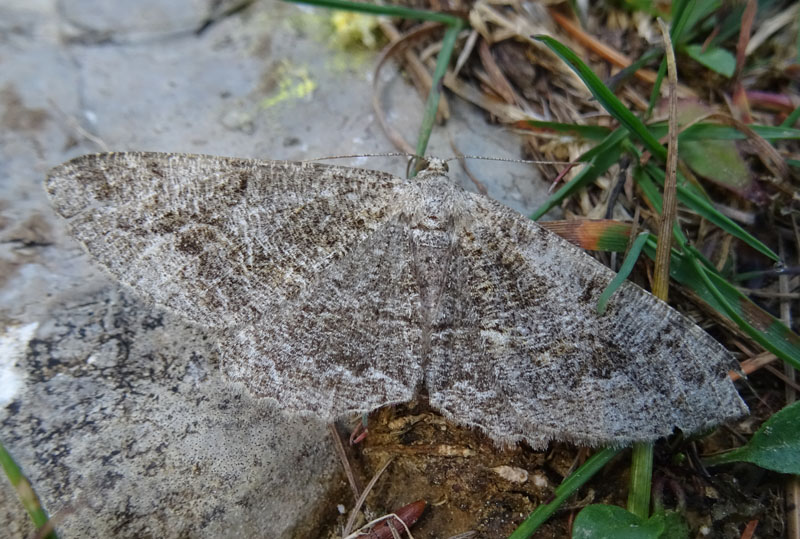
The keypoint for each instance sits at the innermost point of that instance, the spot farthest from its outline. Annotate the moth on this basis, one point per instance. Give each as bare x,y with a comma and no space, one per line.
334,290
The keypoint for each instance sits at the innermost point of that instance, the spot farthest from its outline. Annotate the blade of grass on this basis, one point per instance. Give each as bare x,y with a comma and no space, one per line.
682,11
614,139
708,131
598,164
704,208
572,483
593,234
377,9
765,330
641,480
792,118
682,18
653,196
432,105
670,200
656,92
626,73
642,457
624,271
24,490
606,97
723,297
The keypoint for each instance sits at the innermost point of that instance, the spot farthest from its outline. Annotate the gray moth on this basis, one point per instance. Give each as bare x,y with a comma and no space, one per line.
334,290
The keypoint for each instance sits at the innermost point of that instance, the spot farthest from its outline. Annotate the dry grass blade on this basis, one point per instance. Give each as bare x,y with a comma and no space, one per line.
770,26
352,518
504,112
466,51
642,457
523,28
752,364
670,205
500,83
598,47
748,17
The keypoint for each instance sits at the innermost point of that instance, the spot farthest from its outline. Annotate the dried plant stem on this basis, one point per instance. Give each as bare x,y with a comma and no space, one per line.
661,276
642,458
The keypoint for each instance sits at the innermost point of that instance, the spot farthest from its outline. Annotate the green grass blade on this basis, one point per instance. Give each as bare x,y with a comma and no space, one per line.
628,72
691,271
656,91
612,141
792,118
683,12
709,131
703,207
376,9
653,195
24,490
624,270
641,480
606,98
598,164
432,104
694,24
593,234
572,483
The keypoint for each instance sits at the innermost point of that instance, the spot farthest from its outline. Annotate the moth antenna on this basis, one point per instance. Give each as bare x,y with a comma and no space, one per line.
509,160
352,156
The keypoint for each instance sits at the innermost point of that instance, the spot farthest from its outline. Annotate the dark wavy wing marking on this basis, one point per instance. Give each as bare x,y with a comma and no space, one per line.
350,343
520,352
220,240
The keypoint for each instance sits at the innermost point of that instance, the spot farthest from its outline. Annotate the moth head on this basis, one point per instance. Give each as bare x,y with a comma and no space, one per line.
432,166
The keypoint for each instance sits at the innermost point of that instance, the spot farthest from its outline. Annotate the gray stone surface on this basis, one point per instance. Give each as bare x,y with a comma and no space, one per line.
116,410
